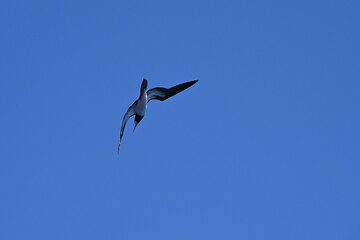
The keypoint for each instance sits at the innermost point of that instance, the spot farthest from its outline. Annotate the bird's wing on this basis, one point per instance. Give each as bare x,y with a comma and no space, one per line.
129,113
162,94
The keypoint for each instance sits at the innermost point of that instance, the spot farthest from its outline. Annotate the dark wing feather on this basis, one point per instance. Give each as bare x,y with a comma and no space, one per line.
129,113
162,94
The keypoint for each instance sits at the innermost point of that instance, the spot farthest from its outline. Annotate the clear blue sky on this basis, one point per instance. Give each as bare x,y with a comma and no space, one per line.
264,146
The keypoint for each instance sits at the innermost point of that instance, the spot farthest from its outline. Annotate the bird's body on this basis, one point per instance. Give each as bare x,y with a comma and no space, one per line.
138,108
141,105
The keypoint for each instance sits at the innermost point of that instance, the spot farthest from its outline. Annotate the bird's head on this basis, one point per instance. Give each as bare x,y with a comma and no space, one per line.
144,84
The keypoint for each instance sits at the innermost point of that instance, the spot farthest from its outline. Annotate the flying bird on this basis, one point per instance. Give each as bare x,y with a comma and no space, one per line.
138,108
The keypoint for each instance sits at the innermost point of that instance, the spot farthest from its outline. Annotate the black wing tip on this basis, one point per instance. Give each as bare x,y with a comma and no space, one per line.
191,82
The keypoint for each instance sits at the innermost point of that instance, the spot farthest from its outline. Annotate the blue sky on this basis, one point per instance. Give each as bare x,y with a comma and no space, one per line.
264,146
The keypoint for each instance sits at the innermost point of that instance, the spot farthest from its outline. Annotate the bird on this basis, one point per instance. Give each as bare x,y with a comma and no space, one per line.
138,108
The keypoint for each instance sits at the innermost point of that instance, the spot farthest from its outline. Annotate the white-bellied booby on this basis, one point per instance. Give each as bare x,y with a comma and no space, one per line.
138,108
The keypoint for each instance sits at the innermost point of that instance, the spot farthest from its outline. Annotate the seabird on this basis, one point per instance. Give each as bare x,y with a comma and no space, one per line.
138,108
